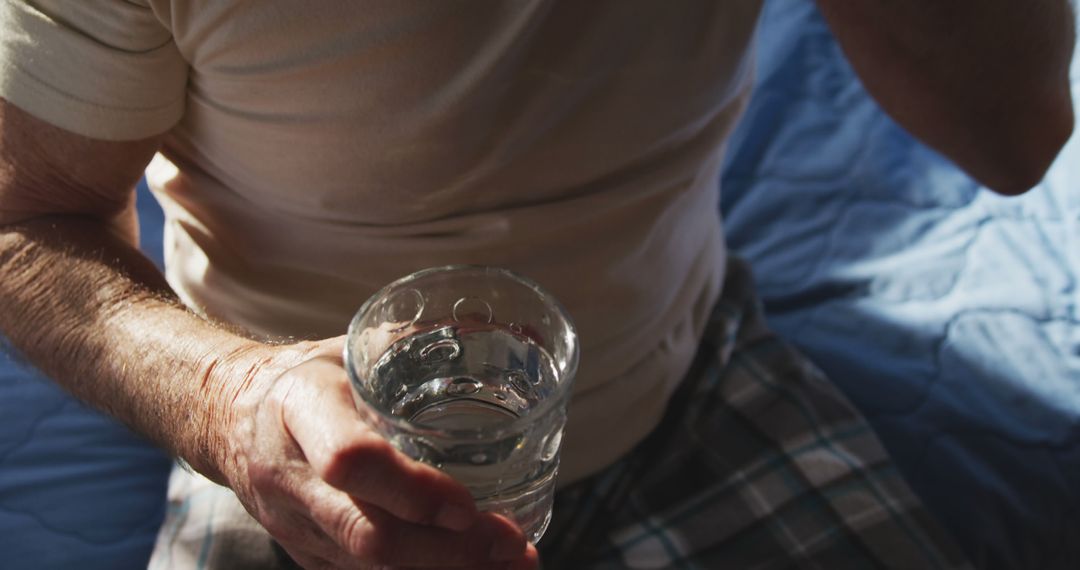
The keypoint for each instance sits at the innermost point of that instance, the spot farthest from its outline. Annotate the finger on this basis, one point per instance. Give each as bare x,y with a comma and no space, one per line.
374,536
319,413
307,544
531,560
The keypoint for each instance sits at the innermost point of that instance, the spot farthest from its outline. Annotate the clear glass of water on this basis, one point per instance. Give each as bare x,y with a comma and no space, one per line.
468,369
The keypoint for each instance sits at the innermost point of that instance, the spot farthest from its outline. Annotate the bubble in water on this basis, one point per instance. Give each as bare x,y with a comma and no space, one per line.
441,350
463,386
519,380
478,458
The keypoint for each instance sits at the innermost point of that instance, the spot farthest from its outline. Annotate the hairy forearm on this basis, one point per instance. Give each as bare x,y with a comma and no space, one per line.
983,81
94,314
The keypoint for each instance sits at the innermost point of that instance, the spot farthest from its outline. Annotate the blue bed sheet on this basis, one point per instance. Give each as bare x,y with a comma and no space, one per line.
77,489
946,313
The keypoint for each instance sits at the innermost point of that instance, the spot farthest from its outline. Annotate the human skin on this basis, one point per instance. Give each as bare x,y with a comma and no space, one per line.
985,82
276,423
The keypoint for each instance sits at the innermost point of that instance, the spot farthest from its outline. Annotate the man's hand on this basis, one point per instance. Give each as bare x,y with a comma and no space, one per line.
333,492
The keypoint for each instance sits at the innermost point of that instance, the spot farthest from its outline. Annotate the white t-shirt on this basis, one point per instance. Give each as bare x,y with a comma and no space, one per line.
317,150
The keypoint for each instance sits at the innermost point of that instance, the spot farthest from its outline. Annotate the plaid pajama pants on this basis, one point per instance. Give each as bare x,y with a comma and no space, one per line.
760,463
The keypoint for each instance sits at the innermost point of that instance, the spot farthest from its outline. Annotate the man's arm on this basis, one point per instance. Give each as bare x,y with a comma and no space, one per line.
985,82
275,423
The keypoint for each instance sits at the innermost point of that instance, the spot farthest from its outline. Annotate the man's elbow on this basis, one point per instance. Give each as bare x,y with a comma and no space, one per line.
1021,162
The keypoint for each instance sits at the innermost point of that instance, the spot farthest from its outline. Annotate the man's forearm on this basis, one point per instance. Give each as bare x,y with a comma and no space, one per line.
93,313
984,81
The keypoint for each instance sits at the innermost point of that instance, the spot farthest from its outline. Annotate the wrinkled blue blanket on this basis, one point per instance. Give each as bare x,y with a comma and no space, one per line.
77,489
949,315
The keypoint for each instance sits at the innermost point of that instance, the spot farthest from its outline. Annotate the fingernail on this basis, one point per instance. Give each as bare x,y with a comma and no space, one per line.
454,517
504,550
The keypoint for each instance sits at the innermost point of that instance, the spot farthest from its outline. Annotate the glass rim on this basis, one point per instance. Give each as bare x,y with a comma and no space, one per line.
562,390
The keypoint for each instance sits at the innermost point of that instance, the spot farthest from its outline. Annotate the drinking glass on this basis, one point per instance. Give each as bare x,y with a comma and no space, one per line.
469,369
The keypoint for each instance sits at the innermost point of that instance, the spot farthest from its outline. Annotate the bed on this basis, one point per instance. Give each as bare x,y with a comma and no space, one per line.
947,314
77,489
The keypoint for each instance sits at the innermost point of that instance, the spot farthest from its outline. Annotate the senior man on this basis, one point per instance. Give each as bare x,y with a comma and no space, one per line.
307,153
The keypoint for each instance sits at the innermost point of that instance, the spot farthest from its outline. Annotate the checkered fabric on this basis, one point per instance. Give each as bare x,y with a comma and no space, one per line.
759,463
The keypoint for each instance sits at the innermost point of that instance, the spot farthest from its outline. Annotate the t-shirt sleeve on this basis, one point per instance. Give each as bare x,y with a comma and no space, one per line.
106,69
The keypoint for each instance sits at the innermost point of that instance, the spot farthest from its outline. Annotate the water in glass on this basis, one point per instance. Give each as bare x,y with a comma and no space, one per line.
462,387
